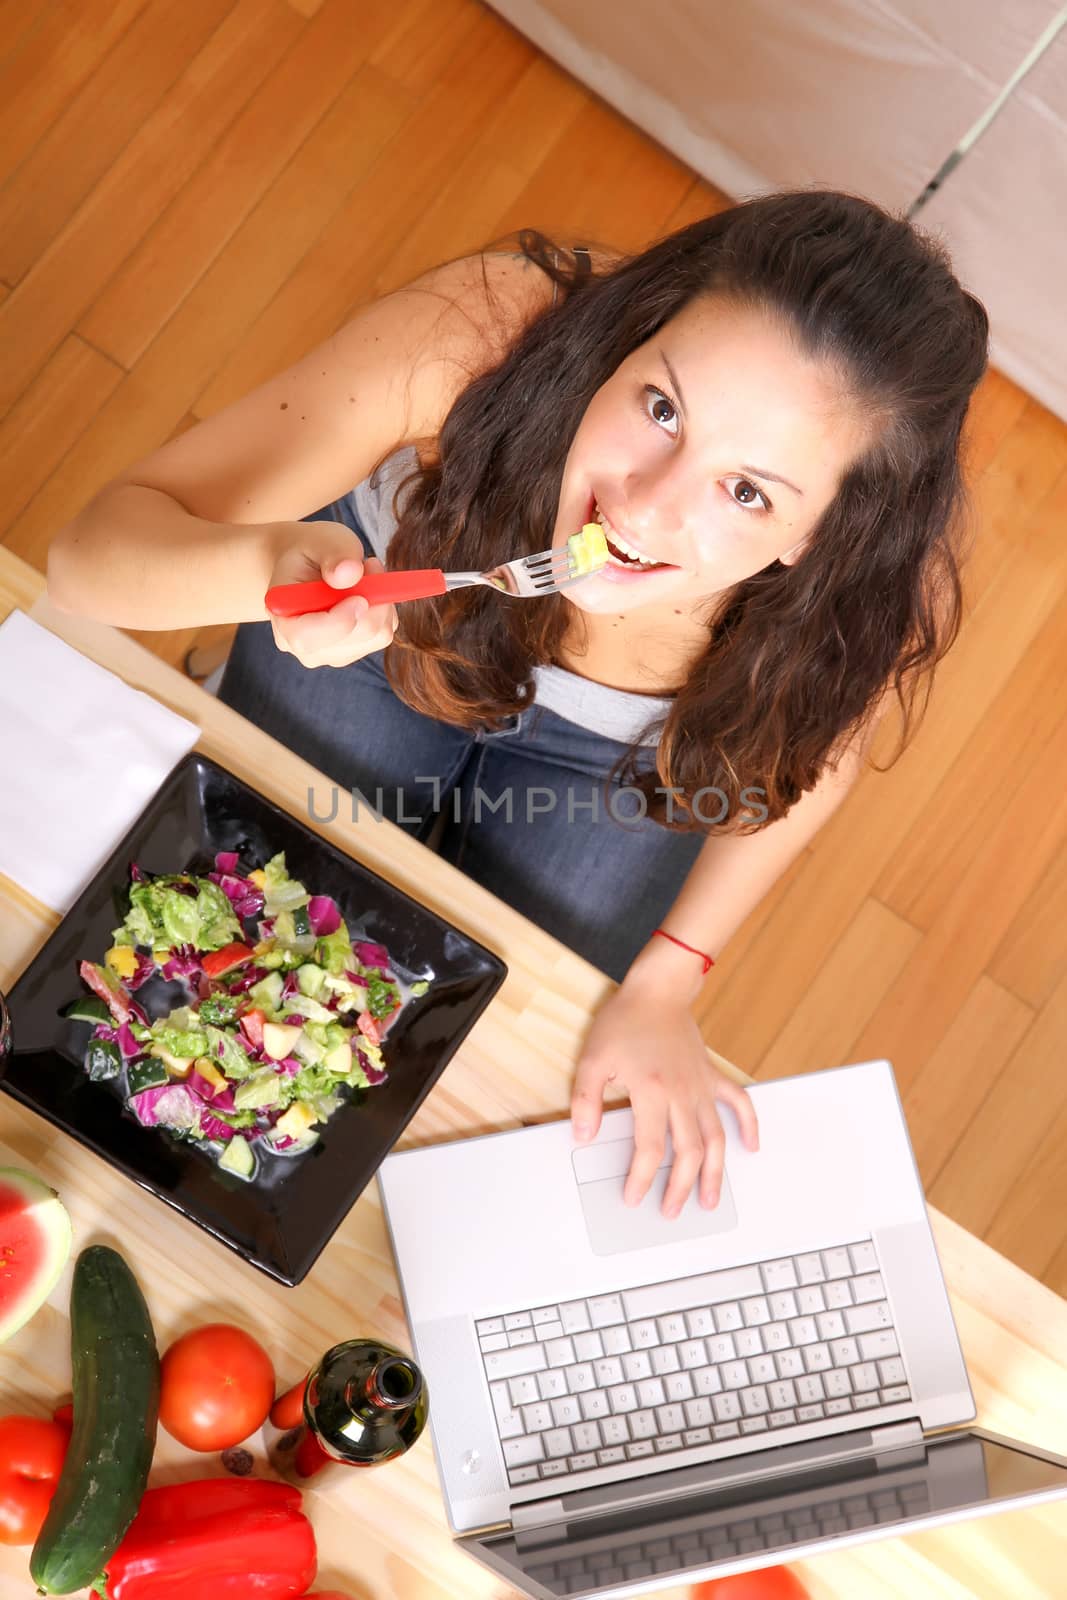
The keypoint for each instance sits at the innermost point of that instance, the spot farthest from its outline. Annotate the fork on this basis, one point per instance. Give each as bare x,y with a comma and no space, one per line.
525,578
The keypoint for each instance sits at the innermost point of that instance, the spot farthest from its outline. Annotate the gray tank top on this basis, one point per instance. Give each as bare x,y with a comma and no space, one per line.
613,713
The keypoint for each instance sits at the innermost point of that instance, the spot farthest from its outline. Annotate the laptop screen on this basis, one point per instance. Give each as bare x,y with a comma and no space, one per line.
668,1539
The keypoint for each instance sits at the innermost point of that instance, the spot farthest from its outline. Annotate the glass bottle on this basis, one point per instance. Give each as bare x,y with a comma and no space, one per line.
364,1404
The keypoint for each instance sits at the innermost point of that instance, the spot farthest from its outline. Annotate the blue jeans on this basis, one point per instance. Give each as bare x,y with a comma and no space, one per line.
529,812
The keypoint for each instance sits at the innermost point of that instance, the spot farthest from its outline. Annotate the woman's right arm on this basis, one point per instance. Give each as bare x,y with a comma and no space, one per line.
192,534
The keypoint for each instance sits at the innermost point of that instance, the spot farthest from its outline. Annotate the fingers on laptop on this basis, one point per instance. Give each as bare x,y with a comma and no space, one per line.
651,1110
587,1100
740,1102
714,1154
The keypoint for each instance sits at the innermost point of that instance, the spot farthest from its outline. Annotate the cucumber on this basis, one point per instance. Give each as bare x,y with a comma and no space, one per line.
310,979
103,1060
147,1074
267,993
116,1405
88,1009
238,1157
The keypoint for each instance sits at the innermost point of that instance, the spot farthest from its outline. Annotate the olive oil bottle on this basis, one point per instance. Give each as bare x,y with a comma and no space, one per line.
365,1403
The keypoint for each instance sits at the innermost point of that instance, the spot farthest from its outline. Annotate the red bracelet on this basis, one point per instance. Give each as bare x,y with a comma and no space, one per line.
707,960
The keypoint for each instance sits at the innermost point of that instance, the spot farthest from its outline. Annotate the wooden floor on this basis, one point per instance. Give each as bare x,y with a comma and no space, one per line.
194,193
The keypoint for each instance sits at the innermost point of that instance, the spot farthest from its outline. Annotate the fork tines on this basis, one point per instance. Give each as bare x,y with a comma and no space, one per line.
549,569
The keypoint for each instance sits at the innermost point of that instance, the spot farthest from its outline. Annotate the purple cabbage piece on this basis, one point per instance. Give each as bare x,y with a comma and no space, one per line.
290,1066
250,976
358,978
294,1018
200,1086
291,986
138,1013
266,927
285,1142
214,1127
374,1074
226,861
136,875
127,1043
171,1105
323,915
244,897
142,972
181,964
371,955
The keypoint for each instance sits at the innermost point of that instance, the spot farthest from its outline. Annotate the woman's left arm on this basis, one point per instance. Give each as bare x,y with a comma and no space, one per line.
646,1038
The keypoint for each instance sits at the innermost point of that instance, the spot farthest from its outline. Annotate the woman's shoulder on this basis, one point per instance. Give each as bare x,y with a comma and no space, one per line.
470,312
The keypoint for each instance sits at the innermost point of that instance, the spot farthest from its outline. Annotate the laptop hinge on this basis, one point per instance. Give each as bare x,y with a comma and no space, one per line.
722,1473
537,1514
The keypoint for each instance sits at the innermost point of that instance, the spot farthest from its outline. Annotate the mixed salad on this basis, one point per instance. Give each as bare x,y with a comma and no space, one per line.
277,1022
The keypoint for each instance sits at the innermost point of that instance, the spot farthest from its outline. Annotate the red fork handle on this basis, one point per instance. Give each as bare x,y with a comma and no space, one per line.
380,588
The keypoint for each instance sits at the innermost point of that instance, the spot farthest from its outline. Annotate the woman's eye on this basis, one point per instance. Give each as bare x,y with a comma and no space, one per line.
743,492
661,410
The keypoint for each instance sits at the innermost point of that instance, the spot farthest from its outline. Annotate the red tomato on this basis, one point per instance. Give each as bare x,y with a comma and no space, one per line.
224,960
217,1387
769,1583
251,1022
327,1594
370,1027
31,1459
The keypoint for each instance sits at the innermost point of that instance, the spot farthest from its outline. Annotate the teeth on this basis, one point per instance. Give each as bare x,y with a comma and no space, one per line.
621,544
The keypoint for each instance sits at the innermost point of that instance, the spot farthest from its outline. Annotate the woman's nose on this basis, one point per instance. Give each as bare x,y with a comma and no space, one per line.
656,503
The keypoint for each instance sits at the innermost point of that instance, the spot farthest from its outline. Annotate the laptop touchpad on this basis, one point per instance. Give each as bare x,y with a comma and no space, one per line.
600,1172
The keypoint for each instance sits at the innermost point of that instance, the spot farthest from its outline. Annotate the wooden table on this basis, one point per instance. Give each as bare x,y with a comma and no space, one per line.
383,1535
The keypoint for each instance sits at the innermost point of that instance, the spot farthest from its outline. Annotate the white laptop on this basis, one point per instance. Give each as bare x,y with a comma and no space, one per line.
620,1403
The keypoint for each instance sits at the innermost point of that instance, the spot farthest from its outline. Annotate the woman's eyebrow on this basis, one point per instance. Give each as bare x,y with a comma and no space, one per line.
772,477
757,472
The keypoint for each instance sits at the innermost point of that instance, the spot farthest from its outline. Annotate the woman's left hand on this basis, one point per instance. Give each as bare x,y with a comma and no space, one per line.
656,1053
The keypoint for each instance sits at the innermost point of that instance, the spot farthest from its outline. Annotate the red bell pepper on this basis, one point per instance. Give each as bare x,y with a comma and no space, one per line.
225,960
215,1539
288,1412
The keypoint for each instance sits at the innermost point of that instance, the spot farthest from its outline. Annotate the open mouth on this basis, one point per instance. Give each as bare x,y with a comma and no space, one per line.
621,553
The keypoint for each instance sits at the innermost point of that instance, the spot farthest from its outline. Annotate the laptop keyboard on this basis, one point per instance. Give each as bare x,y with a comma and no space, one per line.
672,1366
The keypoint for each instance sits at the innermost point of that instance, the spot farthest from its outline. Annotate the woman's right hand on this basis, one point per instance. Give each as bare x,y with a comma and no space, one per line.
351,629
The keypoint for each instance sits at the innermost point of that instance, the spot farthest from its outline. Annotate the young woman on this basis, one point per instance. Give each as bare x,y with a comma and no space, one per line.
764,410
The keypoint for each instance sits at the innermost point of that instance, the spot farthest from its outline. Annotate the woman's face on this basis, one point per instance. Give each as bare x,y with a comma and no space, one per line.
710,452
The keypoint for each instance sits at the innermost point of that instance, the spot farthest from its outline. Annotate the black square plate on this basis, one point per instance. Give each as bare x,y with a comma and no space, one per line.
281,1222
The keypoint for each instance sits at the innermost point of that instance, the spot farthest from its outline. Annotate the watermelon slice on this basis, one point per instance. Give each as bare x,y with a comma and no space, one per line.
35,1241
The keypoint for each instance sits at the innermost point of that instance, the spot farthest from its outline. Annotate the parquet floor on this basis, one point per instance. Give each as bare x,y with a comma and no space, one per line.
193,194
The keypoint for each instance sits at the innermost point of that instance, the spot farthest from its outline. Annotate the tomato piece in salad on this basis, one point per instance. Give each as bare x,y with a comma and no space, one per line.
108,989
251,1025
375,1028
216,962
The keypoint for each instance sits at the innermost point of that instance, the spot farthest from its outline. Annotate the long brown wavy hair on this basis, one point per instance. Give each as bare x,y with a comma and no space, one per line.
798,657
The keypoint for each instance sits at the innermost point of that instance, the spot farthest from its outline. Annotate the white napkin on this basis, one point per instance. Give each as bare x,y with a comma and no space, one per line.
83,754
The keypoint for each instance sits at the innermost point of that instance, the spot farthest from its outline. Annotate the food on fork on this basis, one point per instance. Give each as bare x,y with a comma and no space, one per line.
588,549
